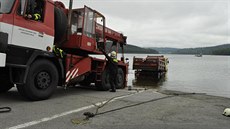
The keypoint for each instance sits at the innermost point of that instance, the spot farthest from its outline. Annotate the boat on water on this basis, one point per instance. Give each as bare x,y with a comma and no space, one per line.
199,55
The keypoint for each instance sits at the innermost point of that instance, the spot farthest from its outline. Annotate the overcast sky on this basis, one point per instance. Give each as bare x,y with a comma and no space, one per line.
166,23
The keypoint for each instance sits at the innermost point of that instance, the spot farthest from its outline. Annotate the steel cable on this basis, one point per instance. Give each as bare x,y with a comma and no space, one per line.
90,114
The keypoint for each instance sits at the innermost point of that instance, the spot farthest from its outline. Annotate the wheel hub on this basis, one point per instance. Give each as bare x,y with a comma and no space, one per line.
43,80
119,79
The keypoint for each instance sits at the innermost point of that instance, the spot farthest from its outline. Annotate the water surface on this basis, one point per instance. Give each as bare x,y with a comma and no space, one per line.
187,73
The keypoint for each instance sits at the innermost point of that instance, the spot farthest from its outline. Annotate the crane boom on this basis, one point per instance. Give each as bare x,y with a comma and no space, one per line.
111,34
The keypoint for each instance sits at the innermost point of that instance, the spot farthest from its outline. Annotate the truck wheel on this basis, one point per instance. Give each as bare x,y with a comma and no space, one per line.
41,81
104,85
85,82
5,84
120,79
60,25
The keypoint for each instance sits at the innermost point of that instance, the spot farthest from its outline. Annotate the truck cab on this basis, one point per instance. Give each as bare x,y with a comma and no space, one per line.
23,40
83,35
23,32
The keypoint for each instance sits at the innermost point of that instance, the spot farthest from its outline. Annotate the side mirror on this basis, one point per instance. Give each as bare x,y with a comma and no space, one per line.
22,9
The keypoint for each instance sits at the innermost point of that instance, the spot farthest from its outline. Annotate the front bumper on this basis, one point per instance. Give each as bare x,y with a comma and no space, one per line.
2,59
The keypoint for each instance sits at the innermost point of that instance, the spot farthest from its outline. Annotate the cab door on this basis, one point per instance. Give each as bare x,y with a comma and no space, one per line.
30,33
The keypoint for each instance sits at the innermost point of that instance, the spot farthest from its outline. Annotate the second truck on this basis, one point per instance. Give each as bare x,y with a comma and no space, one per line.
37,56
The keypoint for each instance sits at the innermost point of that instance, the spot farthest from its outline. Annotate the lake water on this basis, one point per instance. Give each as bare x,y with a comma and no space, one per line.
187,73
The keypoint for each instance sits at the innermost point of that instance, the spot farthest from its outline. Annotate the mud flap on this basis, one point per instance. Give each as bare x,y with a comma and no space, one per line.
2,59
3,41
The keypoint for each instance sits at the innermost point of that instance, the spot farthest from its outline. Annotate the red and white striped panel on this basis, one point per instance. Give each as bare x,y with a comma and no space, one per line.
71,74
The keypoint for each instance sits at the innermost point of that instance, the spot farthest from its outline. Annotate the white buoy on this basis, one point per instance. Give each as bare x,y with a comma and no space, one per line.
226,112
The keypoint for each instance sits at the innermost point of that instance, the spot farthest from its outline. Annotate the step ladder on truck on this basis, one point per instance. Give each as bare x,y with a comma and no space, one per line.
36,56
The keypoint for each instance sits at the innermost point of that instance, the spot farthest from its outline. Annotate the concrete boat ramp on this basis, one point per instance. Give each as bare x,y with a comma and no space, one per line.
135,109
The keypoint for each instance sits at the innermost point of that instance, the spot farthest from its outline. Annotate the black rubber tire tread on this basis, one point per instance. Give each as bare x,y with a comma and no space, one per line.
85,82
5,84
60,25
104,85
30,90
21,90
120,79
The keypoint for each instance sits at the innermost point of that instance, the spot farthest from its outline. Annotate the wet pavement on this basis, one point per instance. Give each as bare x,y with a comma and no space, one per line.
126,109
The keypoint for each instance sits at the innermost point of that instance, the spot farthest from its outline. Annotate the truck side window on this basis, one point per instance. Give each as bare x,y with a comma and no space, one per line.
74,23
21,7
77,20
89,23
35,10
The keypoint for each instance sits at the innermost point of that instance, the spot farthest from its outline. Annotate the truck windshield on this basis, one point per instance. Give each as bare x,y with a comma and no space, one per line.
6,6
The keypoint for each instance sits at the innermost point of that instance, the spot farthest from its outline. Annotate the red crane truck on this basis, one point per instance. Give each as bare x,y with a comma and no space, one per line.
38,56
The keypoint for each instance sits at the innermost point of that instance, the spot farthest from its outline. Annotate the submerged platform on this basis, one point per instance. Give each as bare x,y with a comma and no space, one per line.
154,66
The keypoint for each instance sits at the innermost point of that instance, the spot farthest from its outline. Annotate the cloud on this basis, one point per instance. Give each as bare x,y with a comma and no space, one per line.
166,23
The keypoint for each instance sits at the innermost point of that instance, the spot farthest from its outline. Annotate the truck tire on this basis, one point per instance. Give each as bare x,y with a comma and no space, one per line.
5,84
60,25
85,82
41,81
120,79
104,85
5,87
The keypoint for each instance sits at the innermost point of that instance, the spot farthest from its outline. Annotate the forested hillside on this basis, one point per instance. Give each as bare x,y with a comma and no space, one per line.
215,50
135,49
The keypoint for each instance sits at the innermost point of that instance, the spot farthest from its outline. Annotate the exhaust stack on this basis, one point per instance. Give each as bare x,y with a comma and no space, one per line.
69,18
